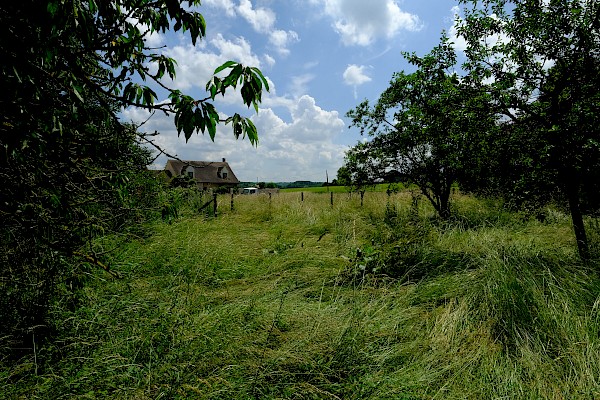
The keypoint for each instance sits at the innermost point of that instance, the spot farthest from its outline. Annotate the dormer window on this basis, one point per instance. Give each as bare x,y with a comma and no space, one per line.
188,171
222,172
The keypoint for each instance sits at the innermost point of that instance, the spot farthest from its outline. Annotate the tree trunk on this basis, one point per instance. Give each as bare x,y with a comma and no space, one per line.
445,208
439,199
445,200
572,191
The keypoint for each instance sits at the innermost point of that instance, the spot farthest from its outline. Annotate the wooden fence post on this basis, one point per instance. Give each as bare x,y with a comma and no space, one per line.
331,193
215,204
362,195
302,196
231,199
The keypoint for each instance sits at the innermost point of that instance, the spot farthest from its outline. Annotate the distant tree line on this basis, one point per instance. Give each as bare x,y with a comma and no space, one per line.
281,185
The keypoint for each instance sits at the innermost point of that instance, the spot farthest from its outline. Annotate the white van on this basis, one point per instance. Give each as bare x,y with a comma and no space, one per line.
250,190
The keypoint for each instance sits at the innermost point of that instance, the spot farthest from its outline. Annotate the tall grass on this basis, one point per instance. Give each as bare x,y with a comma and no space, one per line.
287,299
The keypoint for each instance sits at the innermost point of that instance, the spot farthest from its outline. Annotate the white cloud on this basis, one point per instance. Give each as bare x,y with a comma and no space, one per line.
195,64
282,39
261,19
225,5
270,61
301,149
299,84
460,42
154,40
362,22
238,50
151,39
355,75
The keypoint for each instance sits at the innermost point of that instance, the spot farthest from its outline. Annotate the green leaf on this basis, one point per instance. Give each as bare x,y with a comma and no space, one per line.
199,119
92,6
262,78
226,65
212,118
251,132
149,96
76,91
212,128
234,75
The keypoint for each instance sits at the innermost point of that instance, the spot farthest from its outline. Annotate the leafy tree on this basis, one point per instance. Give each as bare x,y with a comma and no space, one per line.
506,165
538,61
69,169
360,169
423,124
343,176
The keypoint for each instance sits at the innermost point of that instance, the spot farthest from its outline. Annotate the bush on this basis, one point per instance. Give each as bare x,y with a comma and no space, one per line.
58,196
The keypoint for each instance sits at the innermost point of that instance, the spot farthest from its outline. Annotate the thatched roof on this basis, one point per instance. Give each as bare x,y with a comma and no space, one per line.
216,172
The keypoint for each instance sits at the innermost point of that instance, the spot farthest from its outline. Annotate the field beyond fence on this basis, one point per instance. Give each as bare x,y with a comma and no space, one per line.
280,298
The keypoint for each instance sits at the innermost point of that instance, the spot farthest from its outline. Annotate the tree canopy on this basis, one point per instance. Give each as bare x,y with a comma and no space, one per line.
518,118
539,62
422,125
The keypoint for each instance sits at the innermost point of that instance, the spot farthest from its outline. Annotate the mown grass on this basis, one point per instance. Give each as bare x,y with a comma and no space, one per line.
301,300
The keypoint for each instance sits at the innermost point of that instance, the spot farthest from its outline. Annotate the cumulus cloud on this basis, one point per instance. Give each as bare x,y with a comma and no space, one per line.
282,39
225,5
355,75
151,39
195,64
360,22
460,43
270,61
154,39
261,19
239,49
301,148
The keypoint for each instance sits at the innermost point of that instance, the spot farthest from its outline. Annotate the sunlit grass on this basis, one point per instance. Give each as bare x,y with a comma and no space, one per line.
267,301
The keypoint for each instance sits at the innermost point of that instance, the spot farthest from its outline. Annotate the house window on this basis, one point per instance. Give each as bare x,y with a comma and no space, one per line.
222,172
188,171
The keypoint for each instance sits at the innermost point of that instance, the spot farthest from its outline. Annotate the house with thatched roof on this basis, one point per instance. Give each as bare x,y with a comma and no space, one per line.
207,174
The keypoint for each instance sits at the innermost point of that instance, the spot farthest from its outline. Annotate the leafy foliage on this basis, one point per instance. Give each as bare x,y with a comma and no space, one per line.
69,169
521,123
422,126
539,63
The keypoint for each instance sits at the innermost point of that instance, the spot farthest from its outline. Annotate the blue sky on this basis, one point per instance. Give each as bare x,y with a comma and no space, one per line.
321,57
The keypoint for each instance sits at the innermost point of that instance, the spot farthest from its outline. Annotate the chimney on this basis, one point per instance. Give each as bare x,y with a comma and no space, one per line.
223,159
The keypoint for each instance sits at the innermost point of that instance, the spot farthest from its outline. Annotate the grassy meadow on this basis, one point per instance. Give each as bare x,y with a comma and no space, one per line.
283,299
380,187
